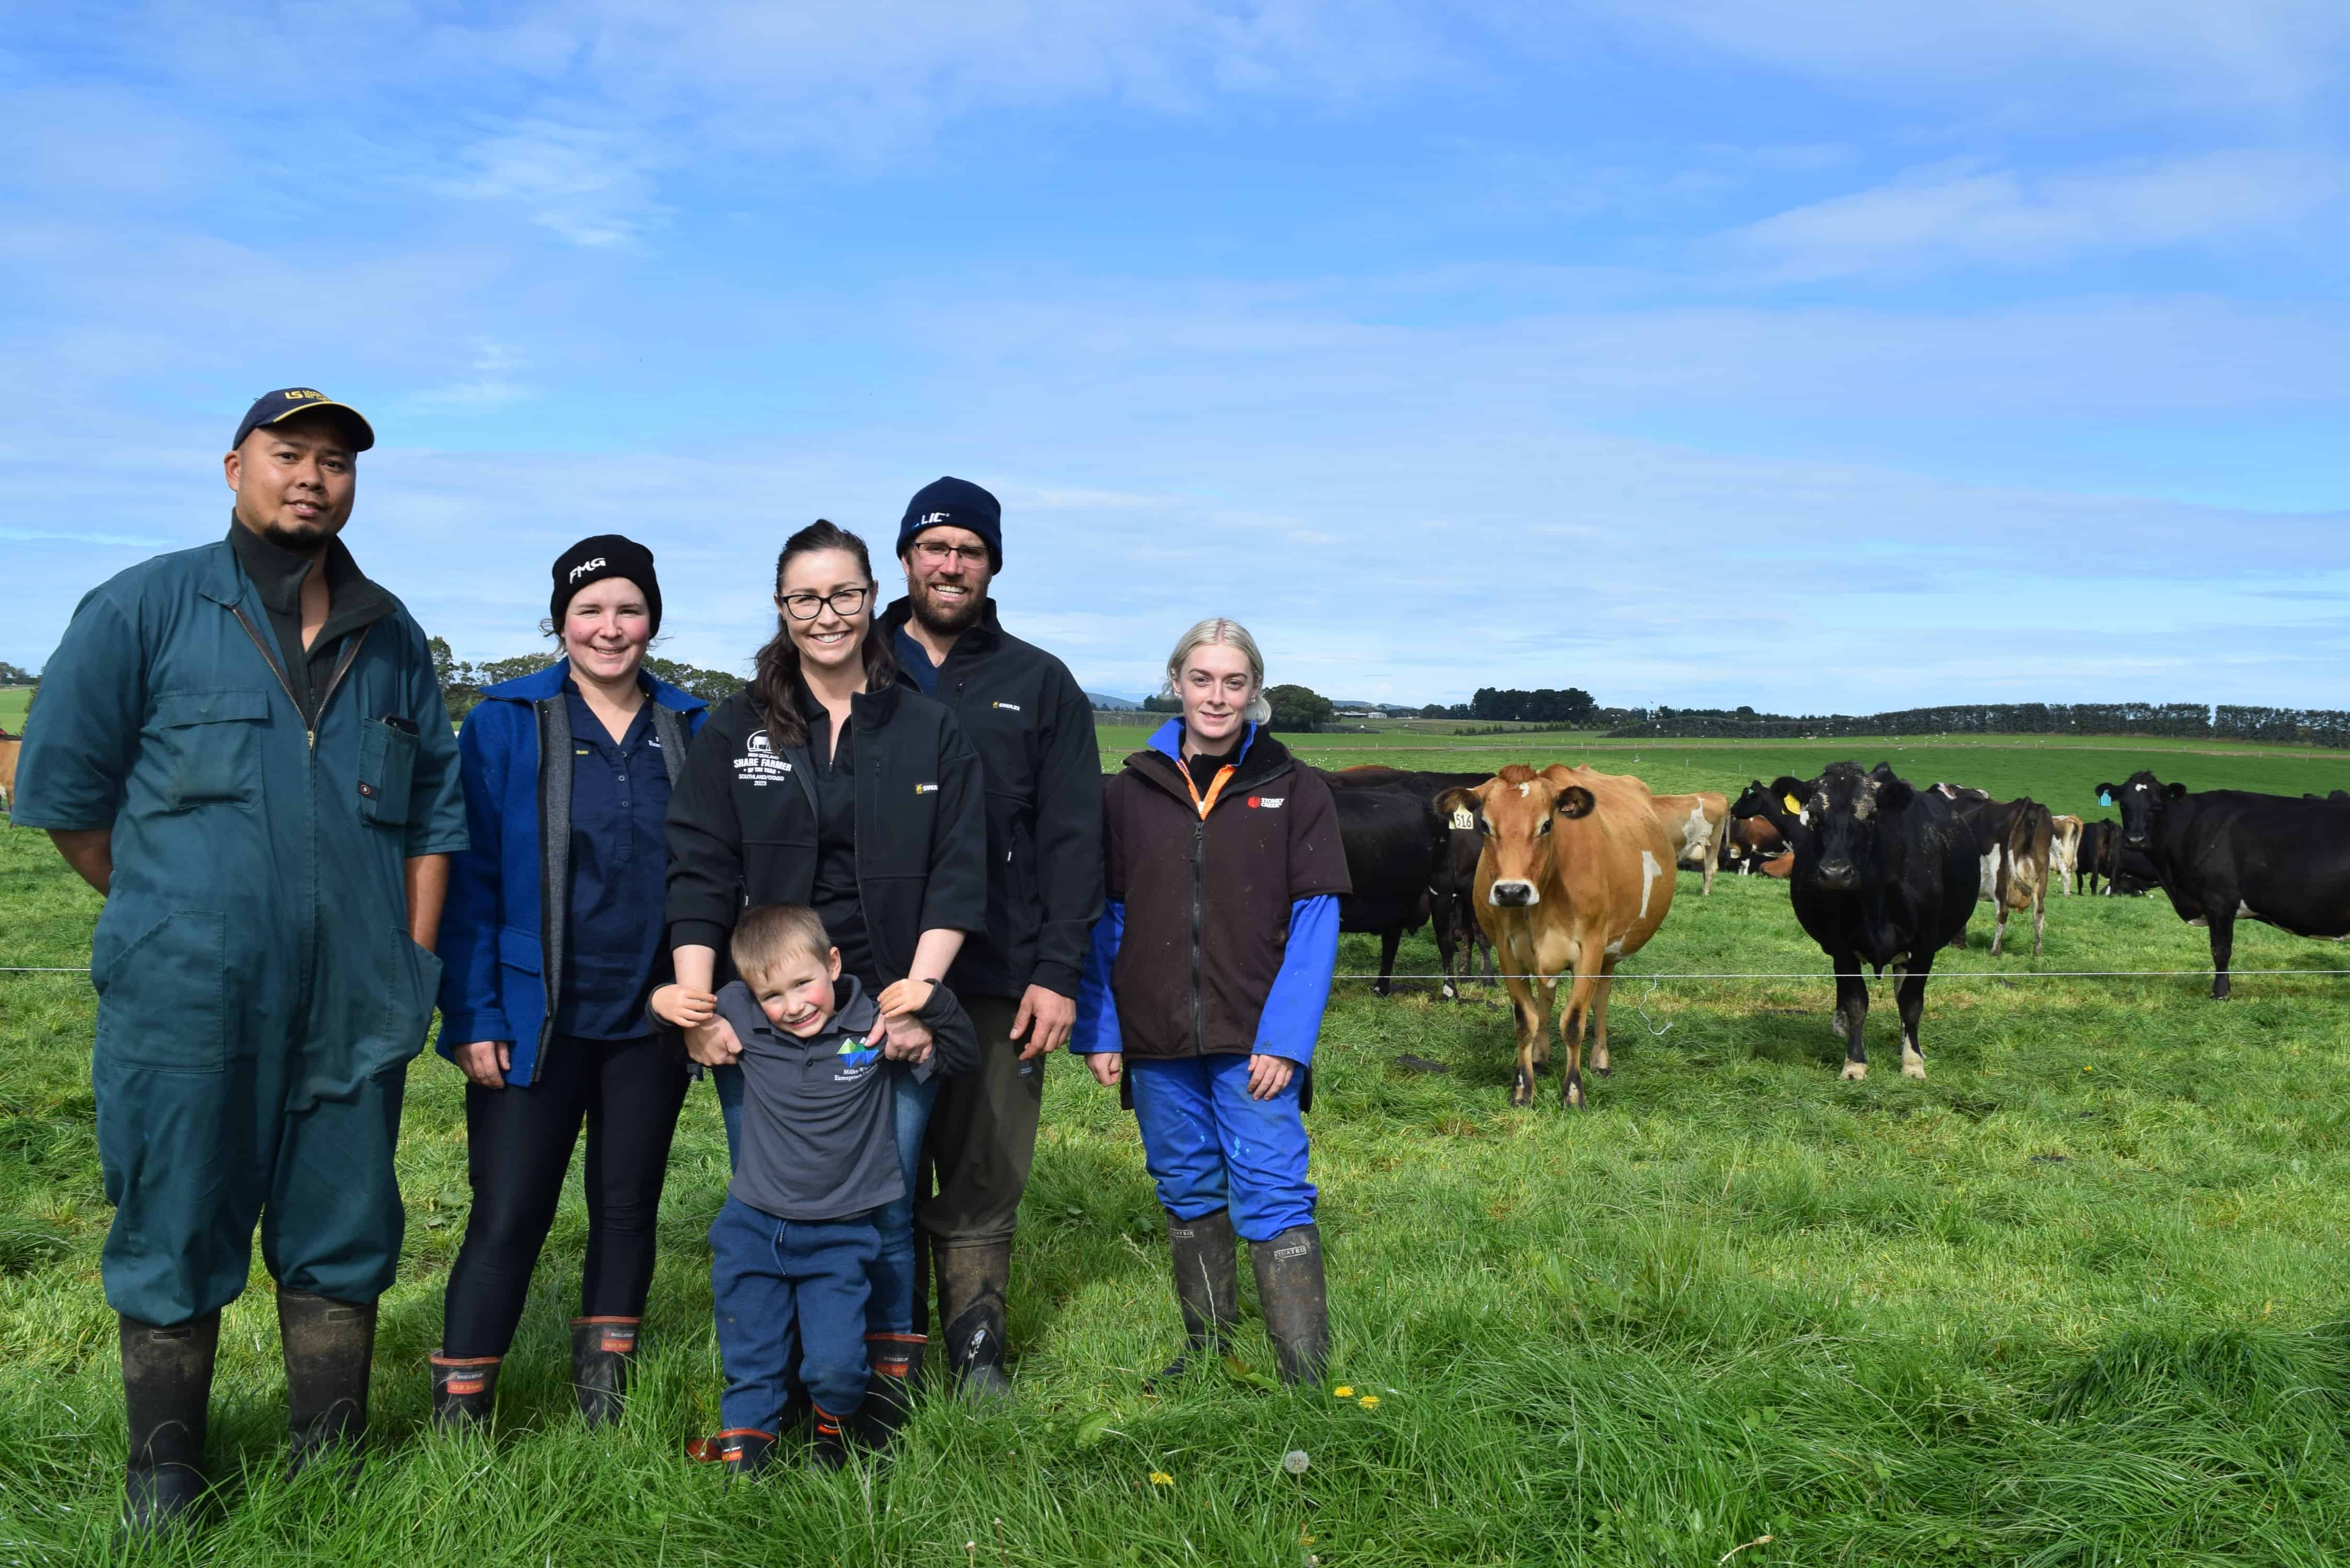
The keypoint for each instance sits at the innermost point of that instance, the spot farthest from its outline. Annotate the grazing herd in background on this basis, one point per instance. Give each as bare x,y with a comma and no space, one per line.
1561,873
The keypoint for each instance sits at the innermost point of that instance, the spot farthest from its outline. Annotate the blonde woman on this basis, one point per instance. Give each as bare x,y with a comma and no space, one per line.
1204,990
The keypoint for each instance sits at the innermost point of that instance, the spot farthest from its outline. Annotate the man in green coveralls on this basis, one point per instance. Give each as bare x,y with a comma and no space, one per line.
243,747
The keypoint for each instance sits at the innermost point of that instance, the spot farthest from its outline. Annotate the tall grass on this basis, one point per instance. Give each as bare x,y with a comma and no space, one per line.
2075,1299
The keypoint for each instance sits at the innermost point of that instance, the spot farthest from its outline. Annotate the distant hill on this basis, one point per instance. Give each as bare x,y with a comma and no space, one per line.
1109,703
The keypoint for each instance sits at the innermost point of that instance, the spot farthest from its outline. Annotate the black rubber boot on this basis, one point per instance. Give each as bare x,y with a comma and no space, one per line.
747,1451
167,1381
464,1391
1297,1306
970,1300
895,1360
329,1350
1207,1287
830,1452
602,1349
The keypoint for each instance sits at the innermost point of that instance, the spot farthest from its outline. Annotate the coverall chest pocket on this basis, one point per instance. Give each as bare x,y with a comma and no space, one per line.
386,765
209,743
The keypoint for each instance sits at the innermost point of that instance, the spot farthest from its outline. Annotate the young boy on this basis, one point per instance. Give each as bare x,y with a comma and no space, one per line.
818,1155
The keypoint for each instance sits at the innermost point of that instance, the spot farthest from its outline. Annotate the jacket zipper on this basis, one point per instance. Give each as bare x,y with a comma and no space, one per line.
342,666
1199,880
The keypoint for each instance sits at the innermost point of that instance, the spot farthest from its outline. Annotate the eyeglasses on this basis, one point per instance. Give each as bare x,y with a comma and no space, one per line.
937,553
842,602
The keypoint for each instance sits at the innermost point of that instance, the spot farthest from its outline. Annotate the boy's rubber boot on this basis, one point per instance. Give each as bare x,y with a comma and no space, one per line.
464,1391
167,1382
329,1350
1297,1306
831,1450
970,1299
894,1361
602,1350
745,1451
1207,1287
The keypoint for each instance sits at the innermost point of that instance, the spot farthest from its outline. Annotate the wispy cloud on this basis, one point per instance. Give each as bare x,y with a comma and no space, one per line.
591,187
489,385
1959,214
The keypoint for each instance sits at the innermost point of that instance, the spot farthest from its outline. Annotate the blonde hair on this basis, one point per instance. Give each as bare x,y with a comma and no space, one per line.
769,934
1229,634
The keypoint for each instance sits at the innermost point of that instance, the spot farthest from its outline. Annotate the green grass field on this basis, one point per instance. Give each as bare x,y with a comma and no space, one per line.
2079,1298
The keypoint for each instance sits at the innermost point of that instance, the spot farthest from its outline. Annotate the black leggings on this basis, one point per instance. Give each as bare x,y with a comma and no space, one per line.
518,1148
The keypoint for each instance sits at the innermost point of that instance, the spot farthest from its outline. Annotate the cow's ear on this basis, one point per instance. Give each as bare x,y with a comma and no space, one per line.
1895,793
1456,808
2175,791
1576,801
1788,787
2105,792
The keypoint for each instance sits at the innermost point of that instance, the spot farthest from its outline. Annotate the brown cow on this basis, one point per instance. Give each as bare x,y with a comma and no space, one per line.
1576,875
1695,823
2064,851
9,744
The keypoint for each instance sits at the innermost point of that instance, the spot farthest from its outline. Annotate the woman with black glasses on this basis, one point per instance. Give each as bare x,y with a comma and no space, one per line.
825,783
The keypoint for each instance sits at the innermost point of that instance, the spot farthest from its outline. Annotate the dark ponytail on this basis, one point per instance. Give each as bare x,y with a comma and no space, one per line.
775,683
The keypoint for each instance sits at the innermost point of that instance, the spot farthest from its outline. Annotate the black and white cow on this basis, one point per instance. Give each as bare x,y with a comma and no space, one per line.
2015,838
2226,855
1884,875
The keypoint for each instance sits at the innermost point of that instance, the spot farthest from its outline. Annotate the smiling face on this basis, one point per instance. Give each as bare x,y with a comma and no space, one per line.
822,584
947,574
795,991
1216,689
606,628
295,482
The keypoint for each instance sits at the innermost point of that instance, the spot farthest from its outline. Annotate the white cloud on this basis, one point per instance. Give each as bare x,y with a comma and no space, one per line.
1960,213
589,186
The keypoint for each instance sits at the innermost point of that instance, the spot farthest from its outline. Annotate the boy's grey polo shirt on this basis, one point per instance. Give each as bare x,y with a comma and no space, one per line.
819,1137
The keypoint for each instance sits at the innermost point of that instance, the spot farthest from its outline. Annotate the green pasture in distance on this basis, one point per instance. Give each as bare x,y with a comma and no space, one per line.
2077,1298
14,700
2063,772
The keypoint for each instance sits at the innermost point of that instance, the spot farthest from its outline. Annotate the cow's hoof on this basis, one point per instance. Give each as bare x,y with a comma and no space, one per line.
1853,1071
1605,1069
1572,1097
1521,1090
1914,1070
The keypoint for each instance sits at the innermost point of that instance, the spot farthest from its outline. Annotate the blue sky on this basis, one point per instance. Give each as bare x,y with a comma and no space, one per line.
1841,354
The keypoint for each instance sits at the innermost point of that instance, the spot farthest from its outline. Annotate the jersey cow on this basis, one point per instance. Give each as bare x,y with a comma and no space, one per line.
2226,855
1884,875
1695,823
1576,875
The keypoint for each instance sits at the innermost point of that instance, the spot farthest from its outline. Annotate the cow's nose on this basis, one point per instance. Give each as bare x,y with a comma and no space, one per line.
2133,840
1513,895
1836,876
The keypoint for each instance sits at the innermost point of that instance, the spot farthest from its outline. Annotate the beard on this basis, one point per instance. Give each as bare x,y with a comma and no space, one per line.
301,538
947,620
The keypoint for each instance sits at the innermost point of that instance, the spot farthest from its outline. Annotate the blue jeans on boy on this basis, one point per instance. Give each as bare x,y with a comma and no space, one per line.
1207,1145
789,1291
892,1309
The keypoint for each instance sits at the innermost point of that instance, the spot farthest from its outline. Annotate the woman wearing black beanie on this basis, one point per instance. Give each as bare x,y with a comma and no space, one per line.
552,944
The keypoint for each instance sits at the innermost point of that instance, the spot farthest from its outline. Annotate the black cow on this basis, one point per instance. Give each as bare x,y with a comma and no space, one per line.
1886,874
1398,886
2225,855
1452,891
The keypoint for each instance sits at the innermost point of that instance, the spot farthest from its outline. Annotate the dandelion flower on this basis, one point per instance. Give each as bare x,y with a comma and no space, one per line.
1294,1461
1369,1401
1342,1392
1160,1477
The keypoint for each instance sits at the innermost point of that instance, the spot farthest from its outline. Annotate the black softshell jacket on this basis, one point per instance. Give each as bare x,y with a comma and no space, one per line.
742,826
1208,901
1032,727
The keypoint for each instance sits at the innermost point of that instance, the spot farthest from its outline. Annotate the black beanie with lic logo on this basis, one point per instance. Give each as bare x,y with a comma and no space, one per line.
605,556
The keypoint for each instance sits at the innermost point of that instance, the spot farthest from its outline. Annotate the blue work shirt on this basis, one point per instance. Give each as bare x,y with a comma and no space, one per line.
620,869
915,661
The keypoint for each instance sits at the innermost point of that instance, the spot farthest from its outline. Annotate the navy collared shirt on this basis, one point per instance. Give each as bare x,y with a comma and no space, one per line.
915,661
619,866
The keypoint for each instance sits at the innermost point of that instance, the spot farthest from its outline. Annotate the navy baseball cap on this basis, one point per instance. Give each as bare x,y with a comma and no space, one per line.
287,402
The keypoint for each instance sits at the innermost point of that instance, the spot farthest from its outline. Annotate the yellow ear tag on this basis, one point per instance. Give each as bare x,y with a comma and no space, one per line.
1794,807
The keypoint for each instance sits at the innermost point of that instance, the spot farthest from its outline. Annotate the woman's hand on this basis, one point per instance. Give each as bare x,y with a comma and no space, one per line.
1268,1076
683,1006
1107,1066
714,1043
904,1037
485,1062
905,997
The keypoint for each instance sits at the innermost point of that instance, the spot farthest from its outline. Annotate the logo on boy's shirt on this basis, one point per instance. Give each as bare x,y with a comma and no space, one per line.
758,764
855,1058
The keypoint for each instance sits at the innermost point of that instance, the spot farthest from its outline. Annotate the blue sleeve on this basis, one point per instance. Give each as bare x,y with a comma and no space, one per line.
436,812
1096,1028
472,1006
83,735
1291,1020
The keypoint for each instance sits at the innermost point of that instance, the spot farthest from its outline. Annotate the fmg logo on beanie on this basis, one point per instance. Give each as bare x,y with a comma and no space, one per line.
585,567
